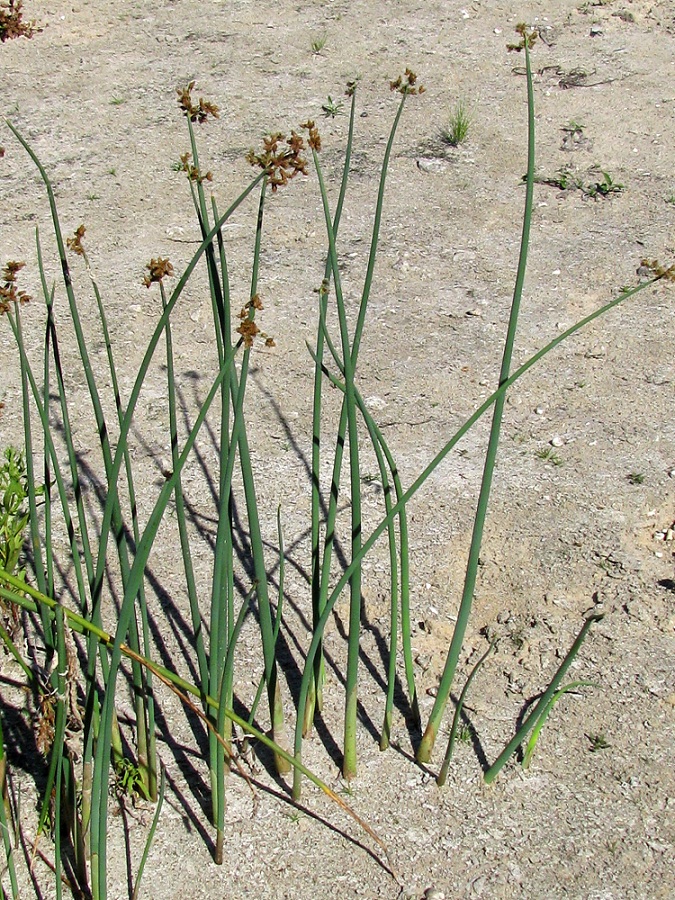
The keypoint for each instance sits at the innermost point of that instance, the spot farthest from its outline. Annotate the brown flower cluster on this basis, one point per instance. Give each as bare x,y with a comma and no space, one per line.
193,172
75,243
281,157
527,38
8,290
313,136
157,269
407,84
350,90
12,24
248,329
659,270
196,113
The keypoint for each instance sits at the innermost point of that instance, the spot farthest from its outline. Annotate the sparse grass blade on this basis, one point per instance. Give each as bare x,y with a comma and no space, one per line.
6,818
541,707
443,774
536,731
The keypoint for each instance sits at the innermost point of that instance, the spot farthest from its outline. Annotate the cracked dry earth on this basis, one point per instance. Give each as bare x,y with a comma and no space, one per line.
583,508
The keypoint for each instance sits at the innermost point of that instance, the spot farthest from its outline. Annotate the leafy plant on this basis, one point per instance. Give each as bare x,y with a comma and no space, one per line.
14,512
604,188
457,129
332,108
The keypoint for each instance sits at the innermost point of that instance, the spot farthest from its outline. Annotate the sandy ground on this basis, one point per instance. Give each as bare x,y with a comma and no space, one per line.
94,92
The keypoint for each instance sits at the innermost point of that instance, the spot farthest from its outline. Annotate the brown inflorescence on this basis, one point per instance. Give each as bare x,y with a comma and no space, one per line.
8,290
659,270
193,172
75,243
407,84
157,269
12,24
196,113
313,136
248,329
281,158
527,38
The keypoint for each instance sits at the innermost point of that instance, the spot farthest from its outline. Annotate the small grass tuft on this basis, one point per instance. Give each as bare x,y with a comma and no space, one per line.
318,44
548,454
457,129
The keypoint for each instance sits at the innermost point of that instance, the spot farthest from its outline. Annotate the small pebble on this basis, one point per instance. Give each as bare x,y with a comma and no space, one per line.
557,441
539,410
433,894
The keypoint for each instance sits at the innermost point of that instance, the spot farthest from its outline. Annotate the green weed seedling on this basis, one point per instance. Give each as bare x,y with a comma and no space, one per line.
604,188
318,44
332,108
636,478
597,742
548,454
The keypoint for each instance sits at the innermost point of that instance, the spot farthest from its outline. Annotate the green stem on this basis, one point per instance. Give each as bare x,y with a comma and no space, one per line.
531,720
447,678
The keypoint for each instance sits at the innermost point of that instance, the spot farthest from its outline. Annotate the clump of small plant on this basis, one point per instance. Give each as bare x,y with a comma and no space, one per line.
12,24
332,108
574,137
318,44
635,478
457,129
567,180
597,742
548,454
603,188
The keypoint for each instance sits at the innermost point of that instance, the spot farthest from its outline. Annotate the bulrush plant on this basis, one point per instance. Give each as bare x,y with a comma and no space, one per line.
80,672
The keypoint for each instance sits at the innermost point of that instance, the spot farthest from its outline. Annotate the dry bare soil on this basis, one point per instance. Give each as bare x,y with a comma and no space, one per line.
584,528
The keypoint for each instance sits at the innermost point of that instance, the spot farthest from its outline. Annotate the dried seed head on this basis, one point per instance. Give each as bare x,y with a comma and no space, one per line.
248,330
659,270
8,291
193,172
407,84
350,90
157,269
196,113
280,157
313,137
527,38
75,243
